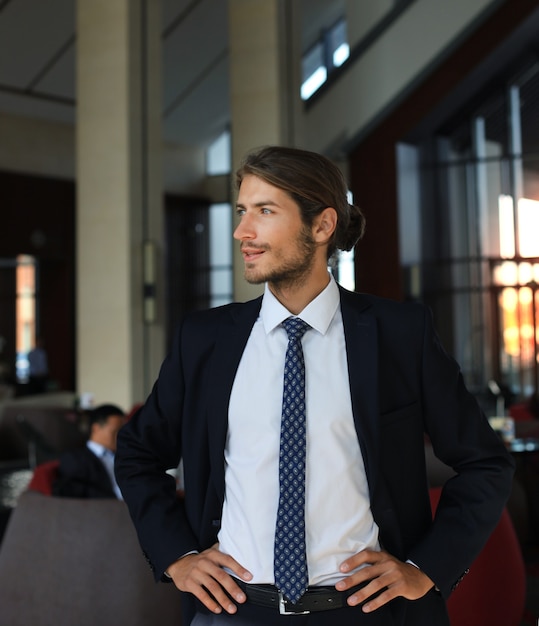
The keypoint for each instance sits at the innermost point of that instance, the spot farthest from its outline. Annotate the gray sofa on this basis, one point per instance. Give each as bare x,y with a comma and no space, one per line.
76,562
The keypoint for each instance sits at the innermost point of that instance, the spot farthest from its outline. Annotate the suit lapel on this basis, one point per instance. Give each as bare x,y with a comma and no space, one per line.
360,331
232,336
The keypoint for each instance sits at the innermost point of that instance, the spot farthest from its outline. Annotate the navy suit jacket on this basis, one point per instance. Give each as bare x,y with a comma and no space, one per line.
403,386
82,475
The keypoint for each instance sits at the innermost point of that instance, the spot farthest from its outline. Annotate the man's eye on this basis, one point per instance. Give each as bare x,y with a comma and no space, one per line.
266,211
240,212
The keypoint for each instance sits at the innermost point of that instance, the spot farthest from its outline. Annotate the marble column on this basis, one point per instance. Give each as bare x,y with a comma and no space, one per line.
119,198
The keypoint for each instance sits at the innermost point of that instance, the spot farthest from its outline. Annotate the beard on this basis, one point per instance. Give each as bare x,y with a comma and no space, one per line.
291,268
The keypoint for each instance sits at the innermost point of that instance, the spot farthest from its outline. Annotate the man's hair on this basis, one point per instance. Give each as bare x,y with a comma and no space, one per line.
314,183
101,413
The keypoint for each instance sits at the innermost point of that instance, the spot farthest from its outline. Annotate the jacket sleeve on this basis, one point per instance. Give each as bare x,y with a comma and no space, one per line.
472,501
149,445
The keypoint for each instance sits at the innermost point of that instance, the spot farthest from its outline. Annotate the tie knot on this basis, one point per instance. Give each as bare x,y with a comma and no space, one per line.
295,327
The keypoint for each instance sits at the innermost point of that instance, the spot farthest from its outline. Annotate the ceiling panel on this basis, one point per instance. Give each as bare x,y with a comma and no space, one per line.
200,118
59,81
32,33
191,50
37,108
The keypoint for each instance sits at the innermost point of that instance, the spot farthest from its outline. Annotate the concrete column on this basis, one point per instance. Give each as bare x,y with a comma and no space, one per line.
119,195
264,87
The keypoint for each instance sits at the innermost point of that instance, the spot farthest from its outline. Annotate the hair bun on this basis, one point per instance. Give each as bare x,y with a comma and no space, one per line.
354,230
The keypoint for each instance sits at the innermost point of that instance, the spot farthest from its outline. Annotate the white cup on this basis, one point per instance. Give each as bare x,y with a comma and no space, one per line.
508,429
86,400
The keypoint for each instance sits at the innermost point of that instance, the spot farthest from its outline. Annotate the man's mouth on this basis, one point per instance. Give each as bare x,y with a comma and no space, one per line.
251,254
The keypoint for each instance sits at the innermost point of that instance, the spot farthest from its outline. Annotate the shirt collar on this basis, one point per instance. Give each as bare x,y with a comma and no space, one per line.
318,313
99,450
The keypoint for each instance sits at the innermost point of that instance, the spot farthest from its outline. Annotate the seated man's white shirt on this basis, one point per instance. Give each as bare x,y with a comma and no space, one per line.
106,457
339,521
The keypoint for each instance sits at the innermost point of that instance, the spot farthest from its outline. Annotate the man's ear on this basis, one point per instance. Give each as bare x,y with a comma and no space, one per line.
324,225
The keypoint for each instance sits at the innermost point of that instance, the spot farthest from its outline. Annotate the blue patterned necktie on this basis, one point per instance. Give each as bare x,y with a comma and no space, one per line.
290,558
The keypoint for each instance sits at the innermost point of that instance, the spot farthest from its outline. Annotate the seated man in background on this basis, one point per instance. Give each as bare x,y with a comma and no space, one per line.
38,368
88,472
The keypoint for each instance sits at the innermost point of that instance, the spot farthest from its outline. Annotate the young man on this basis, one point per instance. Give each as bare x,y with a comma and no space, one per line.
88,472
366,378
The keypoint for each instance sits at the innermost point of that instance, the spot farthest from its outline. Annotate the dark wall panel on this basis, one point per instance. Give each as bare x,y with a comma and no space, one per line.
38,218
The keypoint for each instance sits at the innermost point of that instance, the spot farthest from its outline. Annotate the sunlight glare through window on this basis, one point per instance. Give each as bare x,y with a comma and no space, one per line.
341,54
221,287
218,156
315,80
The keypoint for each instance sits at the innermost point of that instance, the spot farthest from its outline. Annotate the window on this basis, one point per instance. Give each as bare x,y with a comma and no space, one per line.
218,156
25,332
315,72
330,52
337,44
479,249
221,283
220,227
345,273
344,270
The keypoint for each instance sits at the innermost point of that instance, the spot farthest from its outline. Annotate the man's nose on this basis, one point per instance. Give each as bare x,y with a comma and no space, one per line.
245,229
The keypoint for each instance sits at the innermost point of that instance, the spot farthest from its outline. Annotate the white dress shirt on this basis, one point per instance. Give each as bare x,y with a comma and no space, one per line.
339,521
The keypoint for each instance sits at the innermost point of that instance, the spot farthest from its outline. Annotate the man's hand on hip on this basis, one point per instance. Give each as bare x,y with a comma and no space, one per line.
203,576
386,576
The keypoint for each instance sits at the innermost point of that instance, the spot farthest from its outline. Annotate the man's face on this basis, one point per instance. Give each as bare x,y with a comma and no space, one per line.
276,245
107,433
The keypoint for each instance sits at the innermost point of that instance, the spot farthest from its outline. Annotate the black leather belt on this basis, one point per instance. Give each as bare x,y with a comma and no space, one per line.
314,599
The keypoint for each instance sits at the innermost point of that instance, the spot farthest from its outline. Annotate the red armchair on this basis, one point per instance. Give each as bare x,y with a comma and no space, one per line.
43,477
494,591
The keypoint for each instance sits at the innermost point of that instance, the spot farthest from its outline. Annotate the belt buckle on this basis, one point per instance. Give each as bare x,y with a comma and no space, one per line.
282,607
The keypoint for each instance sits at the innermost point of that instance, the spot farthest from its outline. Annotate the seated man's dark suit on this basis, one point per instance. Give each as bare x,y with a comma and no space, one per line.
82,475
403,386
